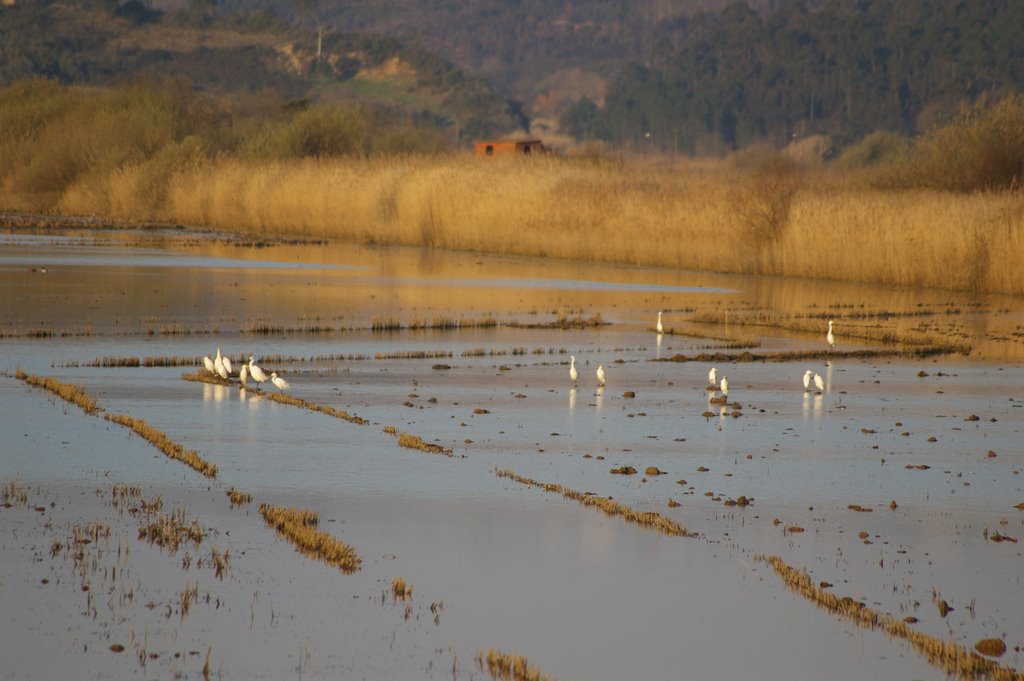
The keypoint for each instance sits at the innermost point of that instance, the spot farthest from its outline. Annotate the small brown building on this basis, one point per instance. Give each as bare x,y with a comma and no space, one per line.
508,147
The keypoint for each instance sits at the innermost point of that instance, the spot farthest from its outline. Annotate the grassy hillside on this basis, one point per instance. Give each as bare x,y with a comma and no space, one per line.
252,58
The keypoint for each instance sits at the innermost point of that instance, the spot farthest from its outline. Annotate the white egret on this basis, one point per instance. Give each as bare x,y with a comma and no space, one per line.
725,386
808,375
830,337
819,382
243,374
218,365
574,374
600,374
257,373
281,384
226,361
208,363
713,377
658,327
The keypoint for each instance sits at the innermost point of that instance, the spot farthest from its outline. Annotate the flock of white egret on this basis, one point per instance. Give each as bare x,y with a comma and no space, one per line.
221,366
714,384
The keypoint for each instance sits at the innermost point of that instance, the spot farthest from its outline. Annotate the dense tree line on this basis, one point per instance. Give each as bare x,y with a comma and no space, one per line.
842,69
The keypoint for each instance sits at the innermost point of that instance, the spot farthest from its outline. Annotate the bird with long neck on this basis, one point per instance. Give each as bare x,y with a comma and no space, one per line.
659,327
574,373
256,372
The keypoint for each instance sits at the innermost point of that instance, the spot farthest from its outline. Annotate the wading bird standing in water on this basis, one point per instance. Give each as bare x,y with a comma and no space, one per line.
243,374
257,373
600,374
725,386
208,363
574,374
281,384
713,379
819,382
808,375
658,327
218,365
830,337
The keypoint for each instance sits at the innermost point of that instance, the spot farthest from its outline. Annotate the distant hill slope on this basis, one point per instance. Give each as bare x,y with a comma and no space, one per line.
540,52
247,55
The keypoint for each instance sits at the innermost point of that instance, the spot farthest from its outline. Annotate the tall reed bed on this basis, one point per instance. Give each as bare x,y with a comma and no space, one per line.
71,393
299,527
165,444
648,519
707,217
952,658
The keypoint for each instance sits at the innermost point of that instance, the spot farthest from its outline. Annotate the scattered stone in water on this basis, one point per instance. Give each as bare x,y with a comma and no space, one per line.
794,528
868,431
991,454
743,500
993,647
702,469
629,393
442,367
910,619
672,503
973,417
893,505
863,535
683,482
825,585
653,470
480,410
623,470
933,439
859,509
117,648
922,373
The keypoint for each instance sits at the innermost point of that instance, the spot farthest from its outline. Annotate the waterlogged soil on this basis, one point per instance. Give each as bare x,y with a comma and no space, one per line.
896,485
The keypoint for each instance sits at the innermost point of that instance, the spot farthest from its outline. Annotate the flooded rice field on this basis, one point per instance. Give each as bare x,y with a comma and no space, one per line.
433,496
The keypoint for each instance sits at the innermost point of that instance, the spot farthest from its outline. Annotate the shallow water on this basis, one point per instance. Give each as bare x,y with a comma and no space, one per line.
581,594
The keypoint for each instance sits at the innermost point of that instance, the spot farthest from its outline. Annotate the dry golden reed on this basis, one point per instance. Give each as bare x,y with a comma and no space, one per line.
299,527
648,519
70,393
684,215
416,442
238,498
952,658
505,667
284,398
13,493
165,444
400,589
171,530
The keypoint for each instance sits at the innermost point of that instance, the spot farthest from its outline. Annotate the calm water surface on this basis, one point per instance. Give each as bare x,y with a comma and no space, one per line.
581,594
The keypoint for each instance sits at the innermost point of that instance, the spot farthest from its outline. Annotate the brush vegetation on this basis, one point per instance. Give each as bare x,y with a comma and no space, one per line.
947,213
648,519
952,658
299,527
